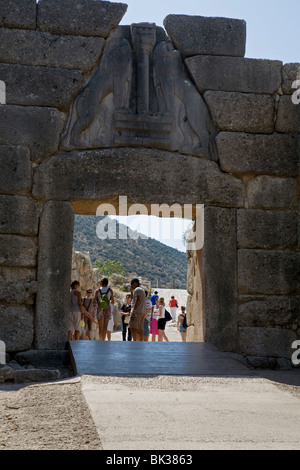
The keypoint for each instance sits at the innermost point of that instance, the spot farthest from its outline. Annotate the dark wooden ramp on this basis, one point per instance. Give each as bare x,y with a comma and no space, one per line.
152,358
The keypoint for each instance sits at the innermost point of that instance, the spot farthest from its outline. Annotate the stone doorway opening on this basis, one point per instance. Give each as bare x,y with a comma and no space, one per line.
149,247
212,273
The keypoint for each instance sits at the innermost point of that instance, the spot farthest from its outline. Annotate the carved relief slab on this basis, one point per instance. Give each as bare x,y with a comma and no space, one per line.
140,96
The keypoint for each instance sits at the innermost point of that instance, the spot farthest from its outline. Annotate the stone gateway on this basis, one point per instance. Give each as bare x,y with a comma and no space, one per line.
181,109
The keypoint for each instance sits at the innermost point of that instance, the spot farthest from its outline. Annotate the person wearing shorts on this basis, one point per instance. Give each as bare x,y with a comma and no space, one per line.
138,310
103,314
180,326
75,312
162,321
74,318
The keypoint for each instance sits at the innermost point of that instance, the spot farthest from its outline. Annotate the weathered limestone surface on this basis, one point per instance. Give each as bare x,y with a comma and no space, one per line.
290,73
274,154
79,17
194,35
35,127
19,215
195,306
219,268
53,276
18,292
269,192
288,116
35,48
18,13
207,184
17,285
272,342
267,229
241,112
17,250
268,272
16,171
17,327
41,86
271,312
235,74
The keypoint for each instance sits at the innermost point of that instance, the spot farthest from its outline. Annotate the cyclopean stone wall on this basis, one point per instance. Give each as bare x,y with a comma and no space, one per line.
94,111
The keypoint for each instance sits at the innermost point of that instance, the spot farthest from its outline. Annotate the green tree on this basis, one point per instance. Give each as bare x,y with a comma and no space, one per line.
108,267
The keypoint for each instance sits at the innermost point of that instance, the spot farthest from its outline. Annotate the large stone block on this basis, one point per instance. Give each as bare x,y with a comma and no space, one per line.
241,112
41,86
16,327
194,35
18,293
268,342
16,172
267,229
219,278
235,74
79,17
14,275
190,180
53,276
271,312
18,251
268,192
40,48
35,127
17,285
18,14
288,116
18,215
243,153
290,73
268,272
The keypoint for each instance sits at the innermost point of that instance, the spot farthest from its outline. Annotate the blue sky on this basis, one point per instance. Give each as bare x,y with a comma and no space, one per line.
272,25
272,28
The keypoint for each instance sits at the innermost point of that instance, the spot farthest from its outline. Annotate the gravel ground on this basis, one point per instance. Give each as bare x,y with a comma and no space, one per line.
55,416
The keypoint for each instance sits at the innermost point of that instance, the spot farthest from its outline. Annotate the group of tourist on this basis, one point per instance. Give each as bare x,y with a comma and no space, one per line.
141,316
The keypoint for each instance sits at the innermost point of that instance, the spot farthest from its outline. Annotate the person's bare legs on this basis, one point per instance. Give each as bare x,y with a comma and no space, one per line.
133,333
140,334
137,334
103,323
165,337
77,335
183,337
162,336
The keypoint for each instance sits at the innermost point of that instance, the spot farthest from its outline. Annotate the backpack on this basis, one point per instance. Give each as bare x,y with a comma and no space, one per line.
184,323
168,316
103,300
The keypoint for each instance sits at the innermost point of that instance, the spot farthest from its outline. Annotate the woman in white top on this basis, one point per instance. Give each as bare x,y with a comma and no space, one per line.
162,321
75,311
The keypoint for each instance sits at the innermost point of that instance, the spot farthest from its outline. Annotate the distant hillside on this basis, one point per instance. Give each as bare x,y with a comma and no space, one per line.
162,265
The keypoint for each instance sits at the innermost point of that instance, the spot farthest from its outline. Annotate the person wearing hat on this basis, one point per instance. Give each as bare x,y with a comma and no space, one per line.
88,304
138,310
